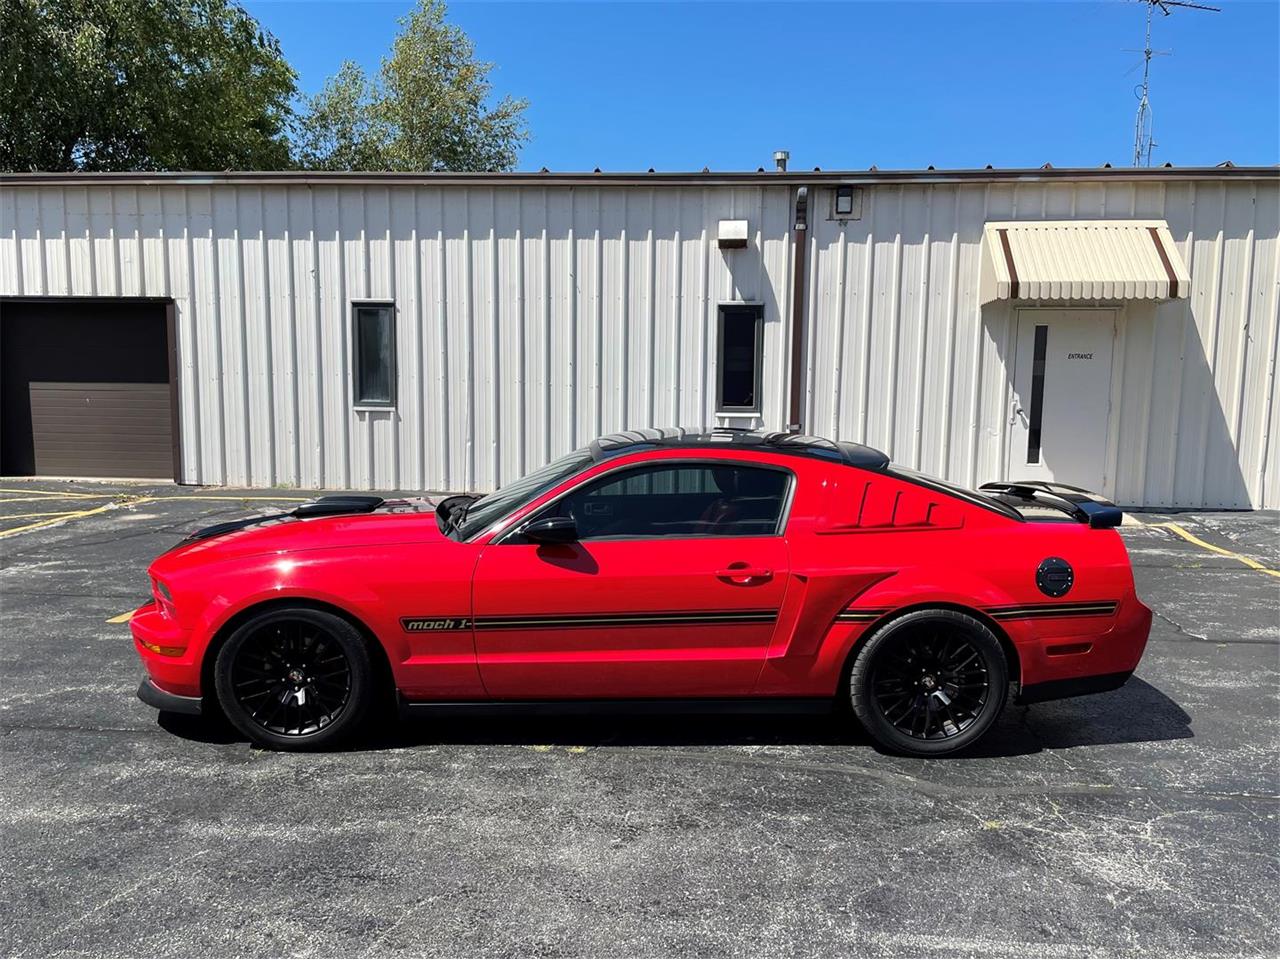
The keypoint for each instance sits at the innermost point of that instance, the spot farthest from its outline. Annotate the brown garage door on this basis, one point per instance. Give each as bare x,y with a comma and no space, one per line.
85,390
101,429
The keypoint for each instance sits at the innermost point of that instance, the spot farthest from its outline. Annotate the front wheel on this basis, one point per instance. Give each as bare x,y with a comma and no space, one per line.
294,678
929,683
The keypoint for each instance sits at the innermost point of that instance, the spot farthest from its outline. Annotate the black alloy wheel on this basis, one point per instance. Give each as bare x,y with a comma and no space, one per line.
294,678
930,682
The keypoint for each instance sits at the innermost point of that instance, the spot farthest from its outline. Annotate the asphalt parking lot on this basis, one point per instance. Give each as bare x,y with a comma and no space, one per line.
1139,822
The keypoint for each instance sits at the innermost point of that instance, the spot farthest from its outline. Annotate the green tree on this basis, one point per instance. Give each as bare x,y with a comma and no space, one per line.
429,108
341,129
140,85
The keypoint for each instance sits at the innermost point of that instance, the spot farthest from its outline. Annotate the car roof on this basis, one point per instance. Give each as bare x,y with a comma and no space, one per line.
728,438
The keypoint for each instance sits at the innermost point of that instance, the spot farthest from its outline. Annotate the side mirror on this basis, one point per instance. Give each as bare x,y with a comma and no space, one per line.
552,530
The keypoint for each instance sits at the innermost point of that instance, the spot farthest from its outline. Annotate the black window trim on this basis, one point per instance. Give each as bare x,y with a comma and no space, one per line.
356,402
721,408
780,529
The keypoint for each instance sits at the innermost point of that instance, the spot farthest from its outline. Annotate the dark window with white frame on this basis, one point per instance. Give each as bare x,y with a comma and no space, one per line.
373,338
738,363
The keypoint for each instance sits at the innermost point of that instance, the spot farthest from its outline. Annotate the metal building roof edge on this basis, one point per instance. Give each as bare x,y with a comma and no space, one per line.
710,178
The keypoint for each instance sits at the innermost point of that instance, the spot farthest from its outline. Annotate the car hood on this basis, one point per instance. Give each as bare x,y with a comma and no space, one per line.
395,521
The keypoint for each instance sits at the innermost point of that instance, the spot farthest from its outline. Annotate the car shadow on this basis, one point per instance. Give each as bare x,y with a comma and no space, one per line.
1136,713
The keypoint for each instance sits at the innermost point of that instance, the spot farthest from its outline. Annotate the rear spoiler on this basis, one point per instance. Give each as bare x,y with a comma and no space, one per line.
1079,504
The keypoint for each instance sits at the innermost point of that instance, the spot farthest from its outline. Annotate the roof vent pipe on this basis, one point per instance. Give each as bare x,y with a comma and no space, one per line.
780,158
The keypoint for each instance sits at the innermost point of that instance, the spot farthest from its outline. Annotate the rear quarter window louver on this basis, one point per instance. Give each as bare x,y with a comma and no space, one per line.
877,506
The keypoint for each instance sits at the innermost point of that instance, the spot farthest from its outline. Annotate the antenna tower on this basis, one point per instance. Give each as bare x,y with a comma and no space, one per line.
1143,139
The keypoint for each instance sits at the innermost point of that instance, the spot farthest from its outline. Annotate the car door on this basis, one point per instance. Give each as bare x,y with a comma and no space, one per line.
672,588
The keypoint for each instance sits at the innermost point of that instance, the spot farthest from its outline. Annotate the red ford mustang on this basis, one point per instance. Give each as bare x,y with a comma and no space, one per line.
722,570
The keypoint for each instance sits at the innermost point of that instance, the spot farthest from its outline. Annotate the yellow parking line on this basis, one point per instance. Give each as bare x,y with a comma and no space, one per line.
58,519
61,495
235,499
121,617
1192,538
56,494
45,499
119,499
25,516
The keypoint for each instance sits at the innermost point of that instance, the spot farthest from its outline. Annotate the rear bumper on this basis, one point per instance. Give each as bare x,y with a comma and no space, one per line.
153,696
1072,687
1067,658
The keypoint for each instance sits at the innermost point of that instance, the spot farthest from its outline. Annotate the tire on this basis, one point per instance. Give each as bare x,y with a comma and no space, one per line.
929,683
294,678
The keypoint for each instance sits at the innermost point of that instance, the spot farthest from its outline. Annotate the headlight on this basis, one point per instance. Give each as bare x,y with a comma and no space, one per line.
165,599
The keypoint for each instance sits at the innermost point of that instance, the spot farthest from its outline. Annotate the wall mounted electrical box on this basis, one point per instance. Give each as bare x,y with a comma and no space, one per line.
732,234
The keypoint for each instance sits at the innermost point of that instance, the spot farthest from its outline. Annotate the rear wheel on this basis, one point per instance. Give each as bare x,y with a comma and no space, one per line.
929,683
294,678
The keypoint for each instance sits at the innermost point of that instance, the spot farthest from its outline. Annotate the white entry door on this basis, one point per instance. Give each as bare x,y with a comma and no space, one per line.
1062,397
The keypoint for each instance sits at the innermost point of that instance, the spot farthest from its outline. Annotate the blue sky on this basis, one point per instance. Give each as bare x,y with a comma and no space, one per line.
633,85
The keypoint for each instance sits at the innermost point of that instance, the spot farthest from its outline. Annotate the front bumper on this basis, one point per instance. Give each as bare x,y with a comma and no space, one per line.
153,696
165,648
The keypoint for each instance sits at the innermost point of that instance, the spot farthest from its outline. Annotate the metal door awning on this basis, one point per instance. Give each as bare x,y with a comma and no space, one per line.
1062,260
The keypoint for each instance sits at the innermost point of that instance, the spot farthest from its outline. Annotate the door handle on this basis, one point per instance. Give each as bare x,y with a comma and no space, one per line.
744,573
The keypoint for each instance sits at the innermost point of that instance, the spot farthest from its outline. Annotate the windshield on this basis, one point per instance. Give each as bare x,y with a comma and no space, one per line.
489,509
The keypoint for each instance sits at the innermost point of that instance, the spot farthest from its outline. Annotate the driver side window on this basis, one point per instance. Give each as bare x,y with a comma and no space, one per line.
680,500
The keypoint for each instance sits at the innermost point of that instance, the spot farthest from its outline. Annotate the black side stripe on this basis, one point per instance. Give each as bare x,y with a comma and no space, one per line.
1040,611
861,615
667,618
672,618
1101,608
1030,611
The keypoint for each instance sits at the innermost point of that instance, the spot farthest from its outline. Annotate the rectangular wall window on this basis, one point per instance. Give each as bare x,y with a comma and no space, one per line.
374,339
738,366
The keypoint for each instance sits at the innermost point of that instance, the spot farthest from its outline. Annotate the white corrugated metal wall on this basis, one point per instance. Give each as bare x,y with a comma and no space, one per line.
903,356
531,318
529,321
